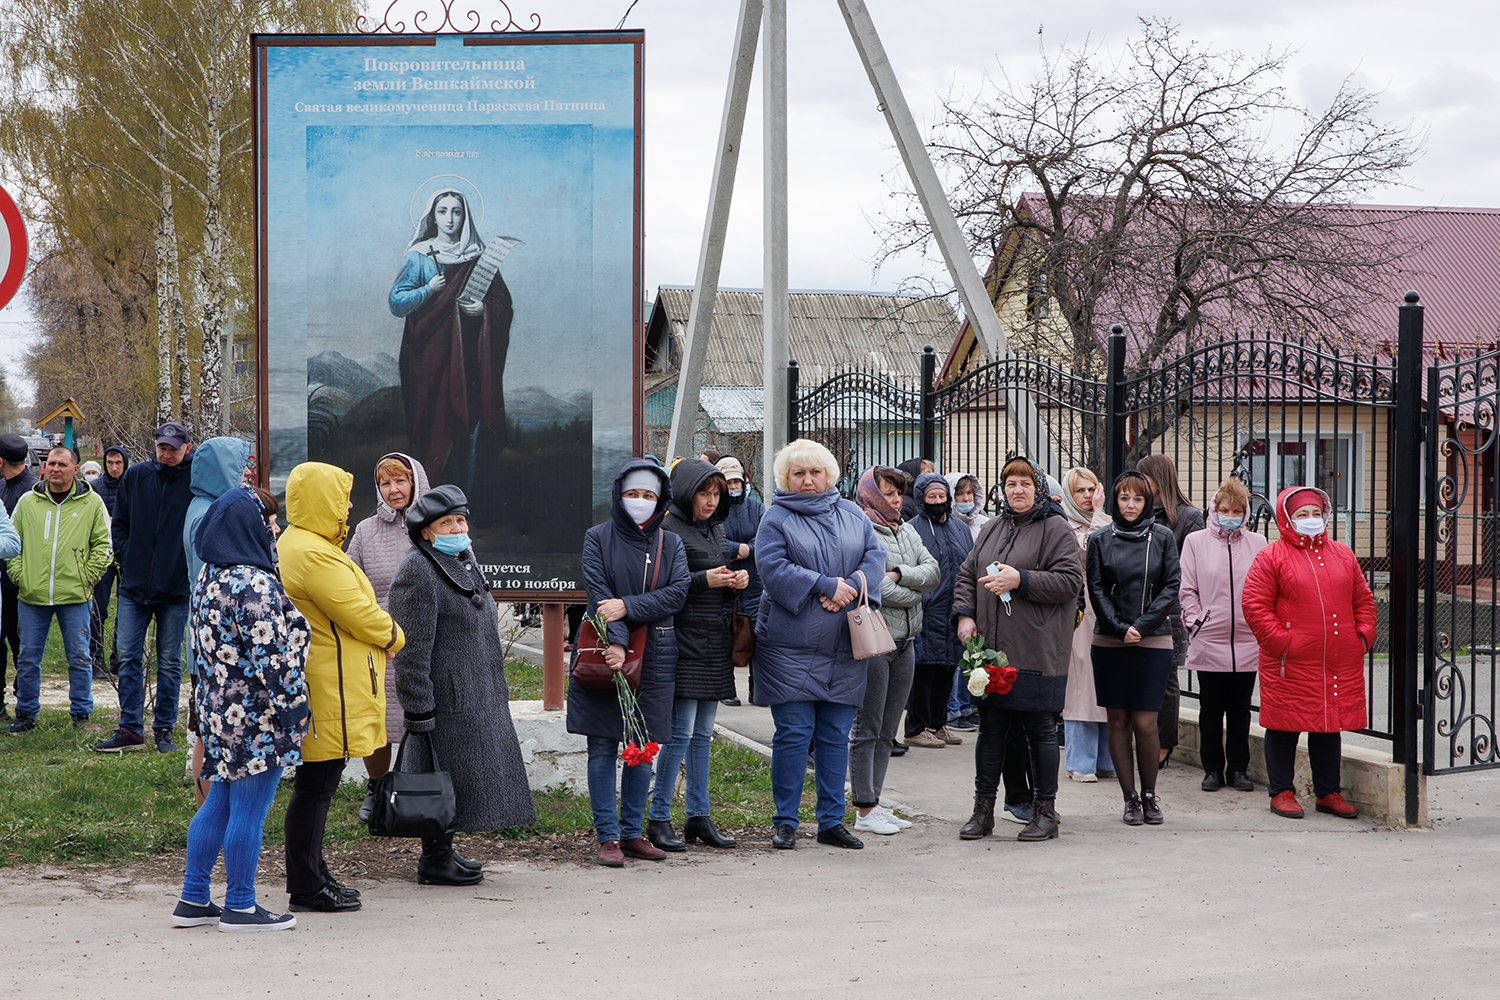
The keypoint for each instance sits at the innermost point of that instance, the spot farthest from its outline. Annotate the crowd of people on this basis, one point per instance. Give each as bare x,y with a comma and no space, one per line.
305,654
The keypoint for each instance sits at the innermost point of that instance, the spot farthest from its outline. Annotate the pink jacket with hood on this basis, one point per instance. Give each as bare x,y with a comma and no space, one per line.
1215,563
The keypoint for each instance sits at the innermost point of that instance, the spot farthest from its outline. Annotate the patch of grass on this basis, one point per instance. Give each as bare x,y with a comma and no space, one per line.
739,790
524,680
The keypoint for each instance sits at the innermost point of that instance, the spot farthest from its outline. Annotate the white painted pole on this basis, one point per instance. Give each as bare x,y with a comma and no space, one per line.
711,252
776,311
966,278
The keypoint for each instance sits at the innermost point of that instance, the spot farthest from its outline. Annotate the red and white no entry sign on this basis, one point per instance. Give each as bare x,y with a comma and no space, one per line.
12,248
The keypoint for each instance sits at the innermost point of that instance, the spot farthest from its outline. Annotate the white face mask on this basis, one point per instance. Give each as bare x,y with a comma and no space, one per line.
639,508
736,493
1312,527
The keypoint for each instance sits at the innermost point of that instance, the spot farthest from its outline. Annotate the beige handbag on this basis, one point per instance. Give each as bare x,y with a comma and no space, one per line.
868,633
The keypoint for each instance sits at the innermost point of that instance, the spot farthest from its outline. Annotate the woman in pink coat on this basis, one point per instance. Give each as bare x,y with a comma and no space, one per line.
1085,724
1312,612
1215,562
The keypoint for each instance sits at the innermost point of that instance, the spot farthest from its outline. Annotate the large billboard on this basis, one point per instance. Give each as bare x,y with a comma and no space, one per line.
448,266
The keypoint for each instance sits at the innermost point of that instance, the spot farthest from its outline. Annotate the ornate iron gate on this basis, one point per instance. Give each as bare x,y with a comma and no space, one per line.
1461,565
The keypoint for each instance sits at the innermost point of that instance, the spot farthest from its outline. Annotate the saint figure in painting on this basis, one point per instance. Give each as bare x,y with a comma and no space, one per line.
453,346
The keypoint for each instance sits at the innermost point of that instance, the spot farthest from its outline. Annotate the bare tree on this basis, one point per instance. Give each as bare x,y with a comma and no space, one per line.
1177,190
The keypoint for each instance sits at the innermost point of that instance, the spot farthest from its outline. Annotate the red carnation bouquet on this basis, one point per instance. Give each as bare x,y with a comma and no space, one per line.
638,748
988,671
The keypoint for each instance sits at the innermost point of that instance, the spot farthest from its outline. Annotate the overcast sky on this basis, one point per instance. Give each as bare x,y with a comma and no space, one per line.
1433,64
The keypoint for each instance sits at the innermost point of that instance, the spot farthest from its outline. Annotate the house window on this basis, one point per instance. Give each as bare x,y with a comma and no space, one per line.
1037,301
1330,462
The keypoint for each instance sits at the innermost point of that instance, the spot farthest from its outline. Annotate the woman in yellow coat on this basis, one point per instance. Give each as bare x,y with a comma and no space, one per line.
351,640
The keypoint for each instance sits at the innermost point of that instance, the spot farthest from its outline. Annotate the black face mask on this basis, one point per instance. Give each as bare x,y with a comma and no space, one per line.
938,511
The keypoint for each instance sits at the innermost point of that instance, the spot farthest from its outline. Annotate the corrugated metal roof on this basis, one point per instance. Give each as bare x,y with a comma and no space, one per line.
734,409
829,331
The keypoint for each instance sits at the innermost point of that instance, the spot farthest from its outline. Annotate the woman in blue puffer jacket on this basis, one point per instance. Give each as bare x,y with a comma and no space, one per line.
808,549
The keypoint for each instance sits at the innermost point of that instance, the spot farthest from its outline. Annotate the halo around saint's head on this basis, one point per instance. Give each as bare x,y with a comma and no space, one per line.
445,182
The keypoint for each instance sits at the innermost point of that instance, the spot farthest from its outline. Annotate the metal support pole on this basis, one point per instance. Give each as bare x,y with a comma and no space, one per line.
1114,409
552,657
776,311
711,252
929,404
793,374
1406,484
976,299
1429,572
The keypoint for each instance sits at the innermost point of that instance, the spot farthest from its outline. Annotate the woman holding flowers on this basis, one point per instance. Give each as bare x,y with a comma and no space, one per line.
1018,589
451,676
635,573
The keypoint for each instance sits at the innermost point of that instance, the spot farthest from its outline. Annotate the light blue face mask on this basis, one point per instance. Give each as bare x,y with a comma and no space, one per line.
451,545
1231,523
963,506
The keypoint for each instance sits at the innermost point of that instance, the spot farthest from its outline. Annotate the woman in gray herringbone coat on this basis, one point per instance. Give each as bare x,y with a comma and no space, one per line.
451,676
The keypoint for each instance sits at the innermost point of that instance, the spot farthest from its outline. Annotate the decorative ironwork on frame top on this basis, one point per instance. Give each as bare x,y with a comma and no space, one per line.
431,17
1067,387
1264,369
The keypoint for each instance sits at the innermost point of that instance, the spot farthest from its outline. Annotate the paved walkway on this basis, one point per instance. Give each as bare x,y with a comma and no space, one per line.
1224,900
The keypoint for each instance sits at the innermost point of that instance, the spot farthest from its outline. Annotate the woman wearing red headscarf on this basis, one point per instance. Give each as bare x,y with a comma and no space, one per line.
1312,612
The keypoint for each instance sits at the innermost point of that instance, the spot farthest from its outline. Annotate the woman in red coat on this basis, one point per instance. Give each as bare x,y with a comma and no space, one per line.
1312,612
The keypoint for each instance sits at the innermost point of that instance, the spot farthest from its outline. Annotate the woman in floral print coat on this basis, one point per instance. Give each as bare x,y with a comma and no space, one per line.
249,646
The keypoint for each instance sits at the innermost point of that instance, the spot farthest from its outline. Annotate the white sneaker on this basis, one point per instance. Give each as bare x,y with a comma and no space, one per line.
897,821
875,822
1084,776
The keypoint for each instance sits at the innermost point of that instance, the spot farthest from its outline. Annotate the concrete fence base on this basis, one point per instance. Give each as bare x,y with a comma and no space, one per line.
1370,779
553,756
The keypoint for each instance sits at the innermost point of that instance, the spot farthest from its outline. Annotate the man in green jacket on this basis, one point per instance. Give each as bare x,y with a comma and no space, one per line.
65,549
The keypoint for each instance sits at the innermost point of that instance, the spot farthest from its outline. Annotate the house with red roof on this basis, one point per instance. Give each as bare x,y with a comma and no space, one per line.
1314,404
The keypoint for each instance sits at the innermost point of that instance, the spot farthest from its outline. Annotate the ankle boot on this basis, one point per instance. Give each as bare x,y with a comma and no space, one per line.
663,837
982,823
438,867
702,828
1043,825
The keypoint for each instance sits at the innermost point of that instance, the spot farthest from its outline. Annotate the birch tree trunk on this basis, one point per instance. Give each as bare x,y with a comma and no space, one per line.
211,360
166,250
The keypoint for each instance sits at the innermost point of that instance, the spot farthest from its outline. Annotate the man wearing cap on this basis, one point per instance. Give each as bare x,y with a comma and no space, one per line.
64,547
18,480
150,508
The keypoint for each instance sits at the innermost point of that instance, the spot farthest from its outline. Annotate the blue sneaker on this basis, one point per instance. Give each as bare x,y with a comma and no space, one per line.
261,919
195,914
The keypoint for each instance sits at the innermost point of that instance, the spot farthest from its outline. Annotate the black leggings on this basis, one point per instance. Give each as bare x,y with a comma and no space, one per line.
992,753
1324,752
306,815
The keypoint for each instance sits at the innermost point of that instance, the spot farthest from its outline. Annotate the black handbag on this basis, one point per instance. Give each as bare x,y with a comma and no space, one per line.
414,805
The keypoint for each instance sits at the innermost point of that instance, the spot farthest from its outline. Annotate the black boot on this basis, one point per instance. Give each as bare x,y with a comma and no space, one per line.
367,807
1043,825
702,828
663,837
438,867
982,823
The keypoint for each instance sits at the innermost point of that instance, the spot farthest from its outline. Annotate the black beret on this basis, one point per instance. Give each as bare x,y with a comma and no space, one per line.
435,503
13,448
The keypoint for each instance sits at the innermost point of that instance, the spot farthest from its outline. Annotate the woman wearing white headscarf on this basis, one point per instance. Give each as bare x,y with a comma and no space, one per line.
453,352
1085,724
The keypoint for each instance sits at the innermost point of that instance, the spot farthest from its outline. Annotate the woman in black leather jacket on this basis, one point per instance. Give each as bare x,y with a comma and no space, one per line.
1132,574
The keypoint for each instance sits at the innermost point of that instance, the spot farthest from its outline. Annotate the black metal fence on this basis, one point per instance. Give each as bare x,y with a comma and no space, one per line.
1271,411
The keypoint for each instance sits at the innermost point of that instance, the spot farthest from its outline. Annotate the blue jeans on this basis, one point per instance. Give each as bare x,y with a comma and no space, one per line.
1088,746
824,725
960,702
635,785
692,732
35,621
131,620
230,818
